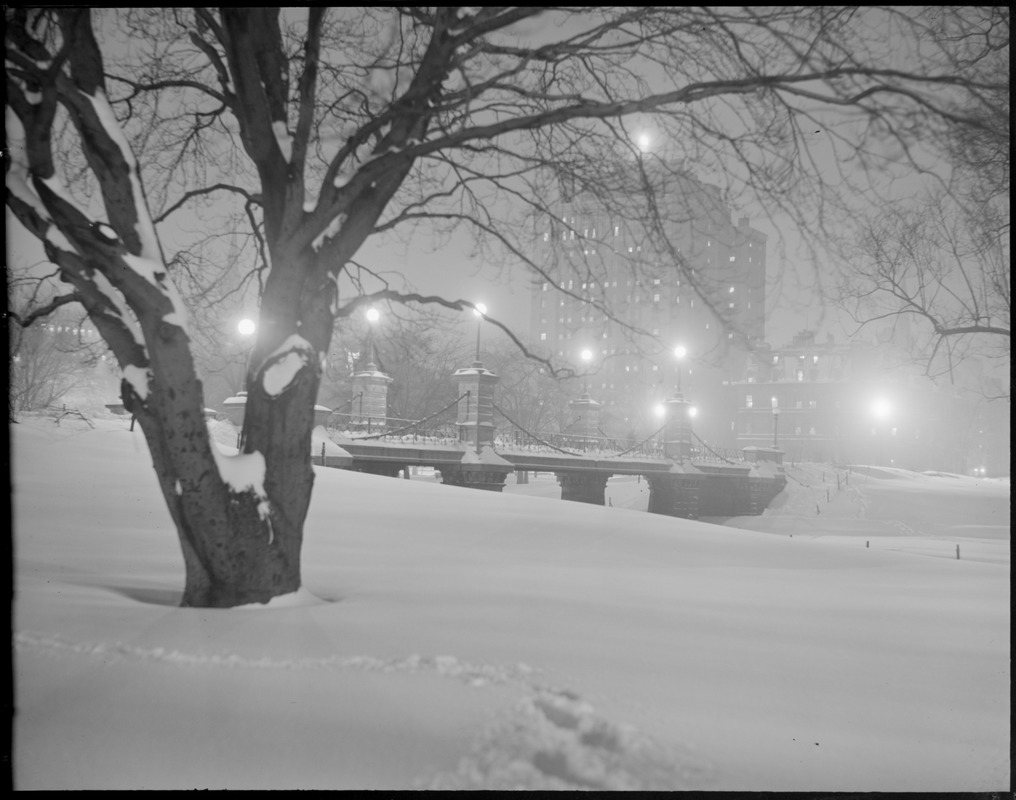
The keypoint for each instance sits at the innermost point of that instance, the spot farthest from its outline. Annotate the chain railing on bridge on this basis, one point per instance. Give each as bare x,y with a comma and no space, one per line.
708,453
517,438
422,431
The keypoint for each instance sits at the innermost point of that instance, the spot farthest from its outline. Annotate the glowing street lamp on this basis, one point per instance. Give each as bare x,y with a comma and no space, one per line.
881,409
480,311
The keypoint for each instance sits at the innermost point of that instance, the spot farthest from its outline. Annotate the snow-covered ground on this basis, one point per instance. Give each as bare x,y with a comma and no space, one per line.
452,638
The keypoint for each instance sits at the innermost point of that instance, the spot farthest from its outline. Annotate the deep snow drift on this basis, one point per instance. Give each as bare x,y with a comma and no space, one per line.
452,638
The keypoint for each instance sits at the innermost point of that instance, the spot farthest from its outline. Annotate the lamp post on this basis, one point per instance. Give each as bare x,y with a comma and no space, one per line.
776,424
480,310
246,328
372,315
586,356
679,353
881,409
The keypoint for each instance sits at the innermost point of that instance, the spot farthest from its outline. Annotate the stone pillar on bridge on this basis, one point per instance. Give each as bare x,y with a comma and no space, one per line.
476,409
585,417
370,396
676,493
583,487
677,438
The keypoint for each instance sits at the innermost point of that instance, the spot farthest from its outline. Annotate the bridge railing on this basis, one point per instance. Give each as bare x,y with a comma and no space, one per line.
514,437
429,430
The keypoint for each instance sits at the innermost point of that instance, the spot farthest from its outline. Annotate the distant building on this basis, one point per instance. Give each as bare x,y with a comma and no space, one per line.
607,273
848,404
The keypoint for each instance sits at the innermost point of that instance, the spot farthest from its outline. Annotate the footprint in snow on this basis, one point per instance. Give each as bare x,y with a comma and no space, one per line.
555,739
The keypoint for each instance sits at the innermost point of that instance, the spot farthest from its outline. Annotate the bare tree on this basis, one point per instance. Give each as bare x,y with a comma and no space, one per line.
526,391
940,277
328,126
935,267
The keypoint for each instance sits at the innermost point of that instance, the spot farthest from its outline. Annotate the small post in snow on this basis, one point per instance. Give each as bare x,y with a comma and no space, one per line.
957,552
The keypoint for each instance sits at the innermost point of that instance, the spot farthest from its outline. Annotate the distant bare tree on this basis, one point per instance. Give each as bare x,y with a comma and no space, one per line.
48,362
329,126
937,266
526,391
939,273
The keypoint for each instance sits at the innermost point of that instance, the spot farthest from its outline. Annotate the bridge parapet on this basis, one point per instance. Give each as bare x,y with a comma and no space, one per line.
486,470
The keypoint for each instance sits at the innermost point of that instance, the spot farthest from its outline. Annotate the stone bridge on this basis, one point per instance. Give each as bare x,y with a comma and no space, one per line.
683,481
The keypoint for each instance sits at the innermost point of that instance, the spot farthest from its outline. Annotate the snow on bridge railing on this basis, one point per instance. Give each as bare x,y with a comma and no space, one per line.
516,438
428,430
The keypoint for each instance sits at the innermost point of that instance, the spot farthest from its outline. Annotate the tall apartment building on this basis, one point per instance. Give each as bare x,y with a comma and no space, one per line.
697,280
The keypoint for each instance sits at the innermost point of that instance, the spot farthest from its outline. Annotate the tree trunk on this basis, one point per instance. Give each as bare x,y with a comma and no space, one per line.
239,519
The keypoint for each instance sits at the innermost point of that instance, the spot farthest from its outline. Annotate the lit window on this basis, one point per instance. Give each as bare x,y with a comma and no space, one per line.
546,286
800,375
543,337
733,258
747,401
617,230
546,236
730,290
730,305
656,297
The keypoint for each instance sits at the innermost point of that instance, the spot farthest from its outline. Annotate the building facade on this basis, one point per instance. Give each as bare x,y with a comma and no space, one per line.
848,403
631,290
